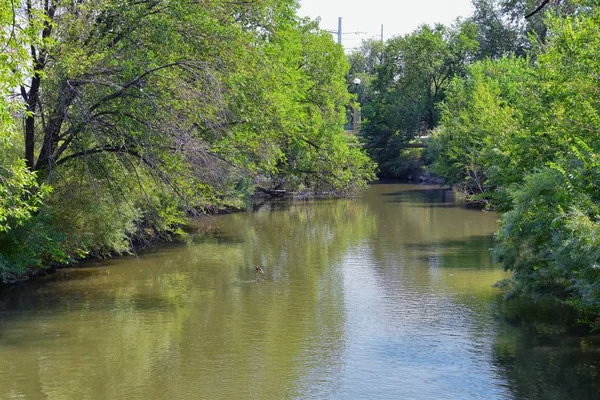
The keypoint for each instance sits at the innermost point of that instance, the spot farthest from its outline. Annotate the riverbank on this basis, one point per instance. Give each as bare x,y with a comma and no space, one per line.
198,224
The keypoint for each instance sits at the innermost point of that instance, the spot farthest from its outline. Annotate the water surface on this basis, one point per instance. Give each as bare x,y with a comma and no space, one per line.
387,296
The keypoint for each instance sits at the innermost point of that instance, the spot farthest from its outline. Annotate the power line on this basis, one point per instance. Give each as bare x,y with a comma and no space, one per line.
339,32
348,33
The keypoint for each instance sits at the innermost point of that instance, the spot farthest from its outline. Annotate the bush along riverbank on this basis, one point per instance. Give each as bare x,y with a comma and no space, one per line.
521,134
120,121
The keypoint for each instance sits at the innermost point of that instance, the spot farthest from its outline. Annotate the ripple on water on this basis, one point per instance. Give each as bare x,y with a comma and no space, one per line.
387,296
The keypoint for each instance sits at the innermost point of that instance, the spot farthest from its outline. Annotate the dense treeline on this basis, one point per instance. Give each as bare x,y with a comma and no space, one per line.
410,82
406,79
121,119
512,108
522,135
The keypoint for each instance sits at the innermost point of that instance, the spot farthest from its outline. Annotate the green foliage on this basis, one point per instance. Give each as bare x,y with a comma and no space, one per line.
507,118
551,238
296,99
414,72
525,138
364,63
498,35
411,82
481,147
24,240
504,31
20,195
36,243
141,113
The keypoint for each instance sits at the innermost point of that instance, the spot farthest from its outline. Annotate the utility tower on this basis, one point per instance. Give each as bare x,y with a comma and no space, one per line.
340,33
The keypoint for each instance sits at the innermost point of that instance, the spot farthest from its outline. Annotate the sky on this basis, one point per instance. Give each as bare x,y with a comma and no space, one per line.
397,16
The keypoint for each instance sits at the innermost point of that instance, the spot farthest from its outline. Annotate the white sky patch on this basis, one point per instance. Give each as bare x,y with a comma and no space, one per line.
398,17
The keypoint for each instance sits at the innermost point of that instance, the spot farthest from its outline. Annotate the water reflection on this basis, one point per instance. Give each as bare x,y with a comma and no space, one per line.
539,364
385,296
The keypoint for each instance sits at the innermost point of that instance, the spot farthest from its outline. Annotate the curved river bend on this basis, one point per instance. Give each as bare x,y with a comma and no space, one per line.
388,296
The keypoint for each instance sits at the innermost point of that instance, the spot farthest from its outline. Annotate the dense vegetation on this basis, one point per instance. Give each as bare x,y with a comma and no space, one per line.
411,80
521,134
405,80
513,111
121,119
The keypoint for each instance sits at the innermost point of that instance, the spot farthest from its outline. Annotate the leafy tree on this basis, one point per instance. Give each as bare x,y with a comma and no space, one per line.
497,34
306,114
481,147
147,80
556,253
549,238
364,63
139,113
20,196
525,137
367,57
507,26
412,80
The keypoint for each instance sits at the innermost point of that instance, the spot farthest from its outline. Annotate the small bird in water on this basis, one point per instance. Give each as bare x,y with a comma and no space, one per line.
259,270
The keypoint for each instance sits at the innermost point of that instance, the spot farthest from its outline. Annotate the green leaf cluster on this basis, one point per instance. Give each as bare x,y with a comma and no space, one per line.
20,194
139,114
522,135
411,81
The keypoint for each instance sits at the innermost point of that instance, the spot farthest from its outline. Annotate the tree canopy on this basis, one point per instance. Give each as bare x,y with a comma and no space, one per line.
136,114
522,136
411,80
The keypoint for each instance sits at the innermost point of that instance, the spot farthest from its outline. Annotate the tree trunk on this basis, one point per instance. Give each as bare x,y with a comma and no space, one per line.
39,61
32,101
48,153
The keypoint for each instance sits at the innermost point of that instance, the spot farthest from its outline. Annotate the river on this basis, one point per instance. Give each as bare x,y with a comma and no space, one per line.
385,296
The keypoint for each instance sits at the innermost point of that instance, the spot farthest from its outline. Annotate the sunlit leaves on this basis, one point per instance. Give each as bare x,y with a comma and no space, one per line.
525,137
141,113
412,79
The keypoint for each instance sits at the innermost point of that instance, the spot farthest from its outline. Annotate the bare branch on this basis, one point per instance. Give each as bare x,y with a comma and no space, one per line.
120,92
103,149
538,9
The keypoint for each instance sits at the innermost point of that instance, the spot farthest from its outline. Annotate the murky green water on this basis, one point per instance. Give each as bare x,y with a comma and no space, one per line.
387,296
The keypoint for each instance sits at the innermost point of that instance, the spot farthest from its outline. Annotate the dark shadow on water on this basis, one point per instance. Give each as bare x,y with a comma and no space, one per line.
35,302
432,205
422,195
472,243
544,354
428,197
219,239
470,252
285,204
427,192
86,287
82,272
39,299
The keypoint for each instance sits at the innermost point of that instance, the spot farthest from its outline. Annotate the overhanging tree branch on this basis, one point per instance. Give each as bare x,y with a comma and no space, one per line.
538,9
120,92
103,149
